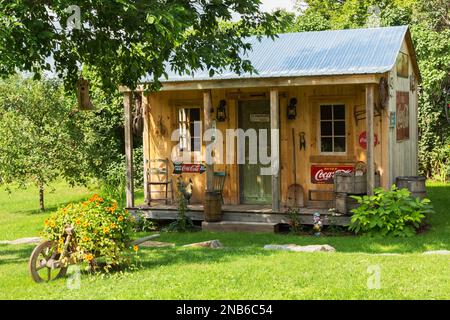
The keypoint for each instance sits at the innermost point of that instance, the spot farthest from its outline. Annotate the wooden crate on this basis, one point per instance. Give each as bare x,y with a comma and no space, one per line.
344,203
352,184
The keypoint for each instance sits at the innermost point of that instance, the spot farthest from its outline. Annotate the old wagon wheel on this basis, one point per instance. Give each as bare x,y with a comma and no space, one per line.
44,264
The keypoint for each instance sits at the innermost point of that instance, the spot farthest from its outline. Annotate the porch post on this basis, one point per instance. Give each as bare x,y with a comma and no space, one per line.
128,110
370,139
207,105
275,148
146,145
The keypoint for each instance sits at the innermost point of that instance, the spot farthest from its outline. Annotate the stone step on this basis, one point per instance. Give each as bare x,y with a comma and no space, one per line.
238,226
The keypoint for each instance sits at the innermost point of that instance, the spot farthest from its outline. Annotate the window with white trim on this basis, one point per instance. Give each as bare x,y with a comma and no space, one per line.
332,129
190,126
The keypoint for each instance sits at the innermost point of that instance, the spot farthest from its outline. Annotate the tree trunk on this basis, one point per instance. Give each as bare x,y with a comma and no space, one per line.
41,196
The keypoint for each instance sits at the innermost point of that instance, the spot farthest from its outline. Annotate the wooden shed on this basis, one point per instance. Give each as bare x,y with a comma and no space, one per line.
329,100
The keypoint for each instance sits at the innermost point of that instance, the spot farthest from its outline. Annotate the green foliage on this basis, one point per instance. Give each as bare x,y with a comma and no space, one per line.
392,212
102,231
39,138
183,222
143,224
123,41
295,225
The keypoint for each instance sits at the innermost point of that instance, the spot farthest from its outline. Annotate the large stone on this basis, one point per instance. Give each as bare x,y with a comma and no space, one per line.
31,240
437,252
297,248
206,244
156,244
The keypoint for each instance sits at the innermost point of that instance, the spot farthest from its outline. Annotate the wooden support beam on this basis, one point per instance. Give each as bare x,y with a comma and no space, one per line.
370,138
146,145
128,110
207,106
275,148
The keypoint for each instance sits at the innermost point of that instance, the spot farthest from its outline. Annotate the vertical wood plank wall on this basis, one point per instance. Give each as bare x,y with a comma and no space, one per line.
162,106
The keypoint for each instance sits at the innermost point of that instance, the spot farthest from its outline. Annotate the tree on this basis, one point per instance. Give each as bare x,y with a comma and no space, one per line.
38,138
122,41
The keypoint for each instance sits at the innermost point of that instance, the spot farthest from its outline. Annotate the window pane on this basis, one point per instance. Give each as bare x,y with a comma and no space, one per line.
339,128
326,145
326,128
196,144
194,114
339,112
325,113
339,144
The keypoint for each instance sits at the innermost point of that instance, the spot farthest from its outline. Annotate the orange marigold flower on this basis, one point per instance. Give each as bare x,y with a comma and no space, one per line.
52,224
113,225
46,222
89,257
86,239
135,248
120,218
105,229
59,250
78,221
85,225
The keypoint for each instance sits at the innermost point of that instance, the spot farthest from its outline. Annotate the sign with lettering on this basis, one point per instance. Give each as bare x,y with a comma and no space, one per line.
402,126
363,140
259,117
179,168
325,174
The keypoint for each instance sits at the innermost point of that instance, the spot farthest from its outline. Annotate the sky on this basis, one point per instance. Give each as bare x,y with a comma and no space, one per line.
270,5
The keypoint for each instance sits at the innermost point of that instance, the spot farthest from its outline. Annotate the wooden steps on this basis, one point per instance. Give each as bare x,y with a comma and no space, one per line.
239,226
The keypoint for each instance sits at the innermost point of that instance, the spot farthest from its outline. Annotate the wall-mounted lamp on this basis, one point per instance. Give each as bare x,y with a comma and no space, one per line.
221,111
292,109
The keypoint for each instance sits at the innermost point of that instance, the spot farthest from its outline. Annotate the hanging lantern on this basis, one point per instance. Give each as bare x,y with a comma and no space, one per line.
84,101
292,109
221,111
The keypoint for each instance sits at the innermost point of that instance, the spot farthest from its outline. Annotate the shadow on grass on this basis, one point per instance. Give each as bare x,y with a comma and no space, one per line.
10,254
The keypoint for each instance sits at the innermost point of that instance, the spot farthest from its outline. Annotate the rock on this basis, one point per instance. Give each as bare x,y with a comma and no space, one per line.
156,244
437,252
206,244
31,240
297,248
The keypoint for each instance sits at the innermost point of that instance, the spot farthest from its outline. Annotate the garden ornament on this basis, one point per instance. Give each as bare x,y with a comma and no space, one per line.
317,224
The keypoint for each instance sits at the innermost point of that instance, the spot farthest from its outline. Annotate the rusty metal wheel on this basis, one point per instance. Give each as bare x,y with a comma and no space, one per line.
44,265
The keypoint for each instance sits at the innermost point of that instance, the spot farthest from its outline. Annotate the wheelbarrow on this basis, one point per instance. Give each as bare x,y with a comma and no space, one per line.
47,264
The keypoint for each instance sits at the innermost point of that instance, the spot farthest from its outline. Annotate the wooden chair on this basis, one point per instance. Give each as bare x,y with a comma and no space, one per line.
158,175
219,182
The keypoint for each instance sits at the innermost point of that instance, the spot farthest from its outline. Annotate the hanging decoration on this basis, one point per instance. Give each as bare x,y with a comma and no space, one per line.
138,119
384,92
292,109
302,141
221,111
84,100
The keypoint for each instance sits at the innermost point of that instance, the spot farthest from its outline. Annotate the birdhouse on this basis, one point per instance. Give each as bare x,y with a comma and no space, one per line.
84,101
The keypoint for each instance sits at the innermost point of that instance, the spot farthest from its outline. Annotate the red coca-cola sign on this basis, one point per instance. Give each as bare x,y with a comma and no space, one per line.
363,140
325,174
179,168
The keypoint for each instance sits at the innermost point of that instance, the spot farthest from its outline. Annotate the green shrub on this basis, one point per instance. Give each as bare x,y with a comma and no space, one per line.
102,231
394,212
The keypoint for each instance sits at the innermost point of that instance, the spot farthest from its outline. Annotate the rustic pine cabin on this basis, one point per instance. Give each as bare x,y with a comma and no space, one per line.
342,101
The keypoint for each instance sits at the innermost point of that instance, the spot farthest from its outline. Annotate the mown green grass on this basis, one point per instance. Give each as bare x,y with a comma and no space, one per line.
243,269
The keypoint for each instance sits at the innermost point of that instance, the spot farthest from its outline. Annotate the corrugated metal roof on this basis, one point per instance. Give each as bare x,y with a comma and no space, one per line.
319,53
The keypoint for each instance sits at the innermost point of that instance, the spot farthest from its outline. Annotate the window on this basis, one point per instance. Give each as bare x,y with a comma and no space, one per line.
332,129
190,127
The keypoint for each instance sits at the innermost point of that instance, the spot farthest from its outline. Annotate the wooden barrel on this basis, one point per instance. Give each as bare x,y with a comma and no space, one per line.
213,206
415,184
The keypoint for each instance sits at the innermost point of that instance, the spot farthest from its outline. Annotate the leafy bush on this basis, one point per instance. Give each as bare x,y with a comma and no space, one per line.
102,230
295,225
389,212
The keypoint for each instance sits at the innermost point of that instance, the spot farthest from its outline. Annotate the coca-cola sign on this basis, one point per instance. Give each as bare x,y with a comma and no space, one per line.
179,168
325,174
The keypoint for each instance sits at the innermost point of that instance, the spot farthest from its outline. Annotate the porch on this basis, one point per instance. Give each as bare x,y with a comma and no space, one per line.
242,213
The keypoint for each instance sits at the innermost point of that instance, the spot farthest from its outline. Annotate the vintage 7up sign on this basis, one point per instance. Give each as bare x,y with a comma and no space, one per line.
179,168
325,174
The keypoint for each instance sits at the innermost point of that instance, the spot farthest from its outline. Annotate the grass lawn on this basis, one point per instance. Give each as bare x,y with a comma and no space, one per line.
242,270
